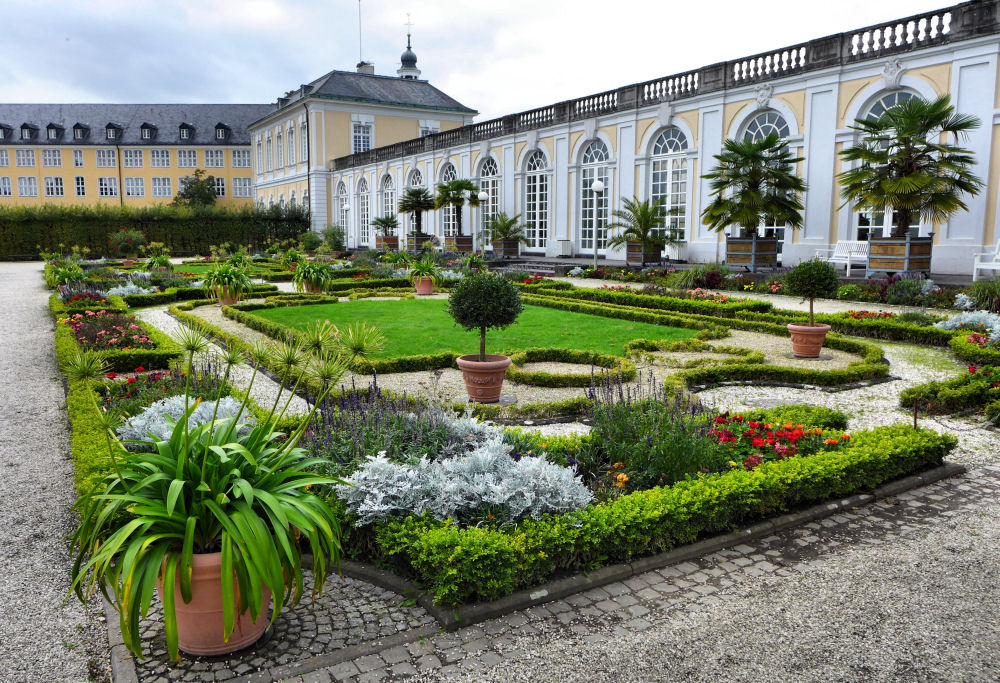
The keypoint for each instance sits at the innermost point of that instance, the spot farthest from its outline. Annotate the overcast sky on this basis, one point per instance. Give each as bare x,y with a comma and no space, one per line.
499,56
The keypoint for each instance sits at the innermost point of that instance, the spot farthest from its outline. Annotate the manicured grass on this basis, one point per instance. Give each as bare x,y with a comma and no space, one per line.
423,326
202,268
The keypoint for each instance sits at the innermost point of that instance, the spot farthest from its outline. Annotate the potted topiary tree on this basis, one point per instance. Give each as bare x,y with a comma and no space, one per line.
227,283
484,301
415,201
810,279
127,243
425,273
312,277
506,234
643,230
386,238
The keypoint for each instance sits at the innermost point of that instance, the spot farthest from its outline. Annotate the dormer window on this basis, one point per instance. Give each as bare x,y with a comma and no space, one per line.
3,132
80,131
186,131
28,131
53,132
110,133
221,131
147,131
146,134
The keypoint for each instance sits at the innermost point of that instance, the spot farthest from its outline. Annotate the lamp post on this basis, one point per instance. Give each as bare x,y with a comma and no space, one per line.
597,187
483,198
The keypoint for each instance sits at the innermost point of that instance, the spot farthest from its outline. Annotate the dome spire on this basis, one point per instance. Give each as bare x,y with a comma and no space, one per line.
408,60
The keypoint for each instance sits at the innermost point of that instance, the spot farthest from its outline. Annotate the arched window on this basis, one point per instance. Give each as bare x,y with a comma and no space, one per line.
270,153
765,123
869,223
364,212
536,201
416,178
343,206
593,206
668,179
489,182
388,196
449,223
291,145
281,150
260,155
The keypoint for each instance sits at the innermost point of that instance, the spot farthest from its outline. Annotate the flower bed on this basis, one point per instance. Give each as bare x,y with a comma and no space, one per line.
977,389
142,346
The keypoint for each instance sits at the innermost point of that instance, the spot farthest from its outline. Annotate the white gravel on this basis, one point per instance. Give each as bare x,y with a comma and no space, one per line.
41,638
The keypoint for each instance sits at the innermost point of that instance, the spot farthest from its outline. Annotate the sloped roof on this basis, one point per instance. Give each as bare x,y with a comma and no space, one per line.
167,118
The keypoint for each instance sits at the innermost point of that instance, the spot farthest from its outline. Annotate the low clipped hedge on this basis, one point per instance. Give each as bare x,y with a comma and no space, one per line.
460,564
617,365
655,302
738,353
977,390
126,360
60,309
971,352
172,294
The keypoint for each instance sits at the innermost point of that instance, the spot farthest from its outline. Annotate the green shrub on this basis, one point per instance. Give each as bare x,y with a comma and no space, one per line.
972,390
986,294
621,367
811,416
812,280
310,241
905,292
849,292
484,302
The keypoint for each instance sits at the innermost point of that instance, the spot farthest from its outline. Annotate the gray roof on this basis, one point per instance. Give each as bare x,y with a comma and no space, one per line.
358,87
129,118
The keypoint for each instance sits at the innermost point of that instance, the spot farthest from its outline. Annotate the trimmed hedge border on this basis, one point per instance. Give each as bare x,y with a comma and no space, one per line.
743,355
158,358
616,365
973,353
59,309
460,564
663,303
172,294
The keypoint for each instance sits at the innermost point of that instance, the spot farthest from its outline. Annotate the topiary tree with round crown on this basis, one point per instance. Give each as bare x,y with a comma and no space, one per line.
484,301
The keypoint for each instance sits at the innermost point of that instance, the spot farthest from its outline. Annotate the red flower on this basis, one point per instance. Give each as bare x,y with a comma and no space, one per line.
140,369
111,375
131,380
720,420
972,368
758,442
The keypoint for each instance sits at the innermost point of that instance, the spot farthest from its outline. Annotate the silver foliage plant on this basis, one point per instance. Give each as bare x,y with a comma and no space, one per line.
160,418
972,319
486,479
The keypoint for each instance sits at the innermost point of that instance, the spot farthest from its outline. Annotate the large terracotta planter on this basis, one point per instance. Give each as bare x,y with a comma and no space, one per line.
483,379
423,285
807,341
311,288
200,624
225,298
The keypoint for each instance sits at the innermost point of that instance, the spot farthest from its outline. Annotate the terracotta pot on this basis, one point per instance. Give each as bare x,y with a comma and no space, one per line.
313,289
423,285
483,379
128,263
225,298
807,341
200,626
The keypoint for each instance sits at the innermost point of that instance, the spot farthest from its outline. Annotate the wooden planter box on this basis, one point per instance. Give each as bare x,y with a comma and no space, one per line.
415,240
636,256
387,242
752,252
507,248
460,243
899,254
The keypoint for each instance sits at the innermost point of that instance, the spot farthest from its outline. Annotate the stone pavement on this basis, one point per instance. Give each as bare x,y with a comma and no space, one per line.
545,642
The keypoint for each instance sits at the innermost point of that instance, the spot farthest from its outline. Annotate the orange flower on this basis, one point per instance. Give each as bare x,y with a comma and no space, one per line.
618,466
543,445
830,442
845,437
817,431
622,478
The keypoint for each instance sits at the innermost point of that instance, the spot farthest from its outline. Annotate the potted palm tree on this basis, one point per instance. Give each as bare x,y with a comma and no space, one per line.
415,201
455,194
425,274
810,280
754,184
386,238
506,234
643,230
484,301
902,166
312,276
227,283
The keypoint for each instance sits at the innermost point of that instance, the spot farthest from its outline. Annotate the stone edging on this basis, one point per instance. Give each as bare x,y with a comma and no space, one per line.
453,618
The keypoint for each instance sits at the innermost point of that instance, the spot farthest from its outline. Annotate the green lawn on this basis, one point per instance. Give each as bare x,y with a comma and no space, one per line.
423,326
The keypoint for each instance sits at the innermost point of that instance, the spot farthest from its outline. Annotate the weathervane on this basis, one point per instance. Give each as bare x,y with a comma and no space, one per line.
409,26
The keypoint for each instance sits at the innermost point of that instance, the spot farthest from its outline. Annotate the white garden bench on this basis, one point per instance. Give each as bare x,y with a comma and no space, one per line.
845,252
986,259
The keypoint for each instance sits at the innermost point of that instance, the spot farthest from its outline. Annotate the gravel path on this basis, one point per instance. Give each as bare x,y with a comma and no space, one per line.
41,639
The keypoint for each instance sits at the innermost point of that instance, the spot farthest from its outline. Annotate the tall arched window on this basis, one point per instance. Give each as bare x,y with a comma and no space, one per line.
291,145
668,176
880,223
270,153
260,155
388,191
281,150
343,206
449,224
414,179
364,212
536,201
593,206
765,123
489,182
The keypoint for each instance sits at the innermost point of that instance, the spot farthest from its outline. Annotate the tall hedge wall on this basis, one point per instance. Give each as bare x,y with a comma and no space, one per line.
24,232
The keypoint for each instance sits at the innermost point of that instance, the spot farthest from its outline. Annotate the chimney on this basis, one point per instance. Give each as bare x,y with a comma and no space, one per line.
366,68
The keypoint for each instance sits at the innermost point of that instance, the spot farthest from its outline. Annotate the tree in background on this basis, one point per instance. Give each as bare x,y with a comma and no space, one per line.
198,190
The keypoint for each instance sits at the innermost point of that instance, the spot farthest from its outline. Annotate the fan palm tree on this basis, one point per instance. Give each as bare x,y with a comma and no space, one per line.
386,225
501,227
754,182
415,201
904,167
640,221
456,193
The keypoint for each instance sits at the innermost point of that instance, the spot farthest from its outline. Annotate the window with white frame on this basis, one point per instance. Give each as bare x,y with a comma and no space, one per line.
54,186
107,187
343,205
361,139
215,158
132,158
79,133
260,155
110,133
27,186
594,206
536,201
668,179
426,130
270,153
416,178
388,192
291,145
187,158
107,158
4,158
489,182
27,133
241,158
364,212
53,133
242,188
146,133
220,187
185,133
220,133
162,187
77,158
304,141
52,158
81,186
135,187
449,214
280,149
765,123
25,158
159,158
5,189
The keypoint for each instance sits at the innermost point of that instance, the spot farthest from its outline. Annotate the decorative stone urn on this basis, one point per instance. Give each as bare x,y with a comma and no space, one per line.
807,341
483,379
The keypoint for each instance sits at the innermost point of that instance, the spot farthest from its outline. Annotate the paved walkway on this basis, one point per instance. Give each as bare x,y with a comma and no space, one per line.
41,639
